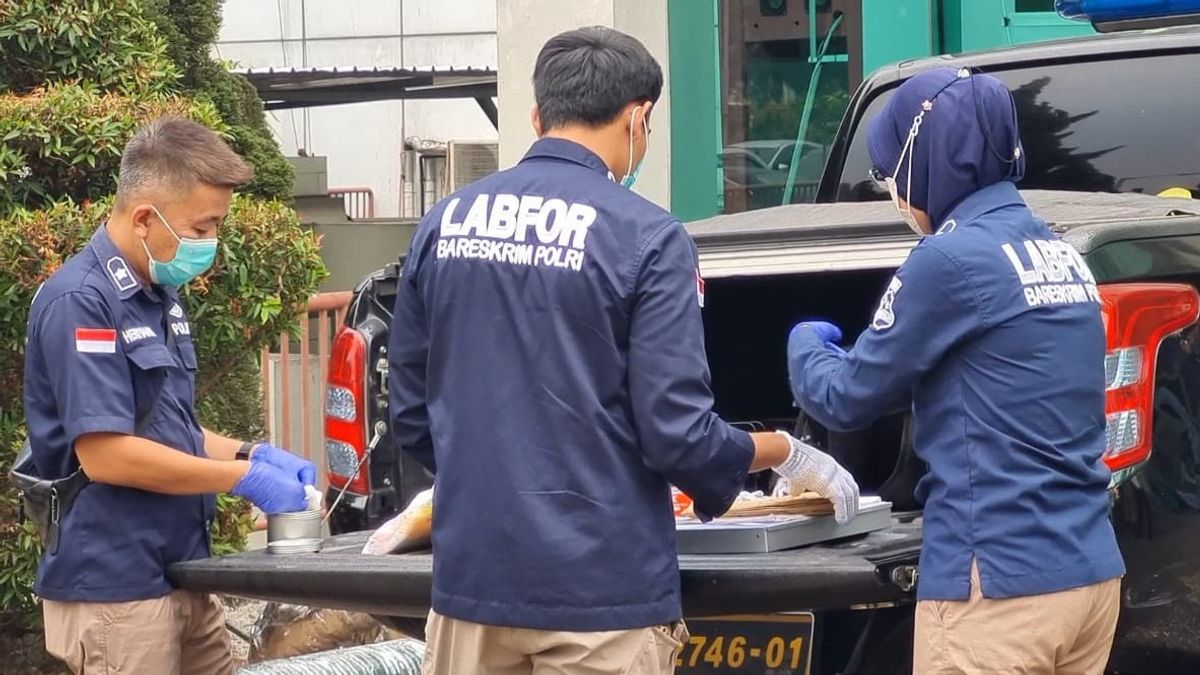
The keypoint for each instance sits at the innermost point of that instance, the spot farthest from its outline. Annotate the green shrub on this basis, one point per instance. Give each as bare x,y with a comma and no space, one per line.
107,43
233,406
144,50
273,175
190,27
77,79
20,547
33,245
66,140
267,268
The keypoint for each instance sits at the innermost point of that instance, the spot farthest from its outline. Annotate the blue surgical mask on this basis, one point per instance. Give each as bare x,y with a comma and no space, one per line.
631,174
192,258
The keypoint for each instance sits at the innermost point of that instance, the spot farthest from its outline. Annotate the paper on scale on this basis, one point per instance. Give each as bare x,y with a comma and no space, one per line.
865,504
731,519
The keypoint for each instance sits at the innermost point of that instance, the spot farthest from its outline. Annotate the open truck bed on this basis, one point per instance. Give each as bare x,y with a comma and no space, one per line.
835,575
848,601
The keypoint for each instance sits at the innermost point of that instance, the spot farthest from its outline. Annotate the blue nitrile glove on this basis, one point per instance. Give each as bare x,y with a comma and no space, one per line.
304,470
826,332
271,490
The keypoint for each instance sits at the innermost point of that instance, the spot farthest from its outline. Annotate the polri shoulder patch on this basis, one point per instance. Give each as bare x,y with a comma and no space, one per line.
122,277
885,316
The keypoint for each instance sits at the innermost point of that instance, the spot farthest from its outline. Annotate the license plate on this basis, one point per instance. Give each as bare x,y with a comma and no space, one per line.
773,644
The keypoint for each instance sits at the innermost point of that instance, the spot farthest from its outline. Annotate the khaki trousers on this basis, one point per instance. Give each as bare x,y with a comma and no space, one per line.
1065,633
179,634
463,648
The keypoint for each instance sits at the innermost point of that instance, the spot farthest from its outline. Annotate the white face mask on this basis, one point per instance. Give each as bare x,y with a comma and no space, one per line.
906,211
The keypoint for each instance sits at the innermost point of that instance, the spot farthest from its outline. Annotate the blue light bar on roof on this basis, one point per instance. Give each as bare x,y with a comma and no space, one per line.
1102,11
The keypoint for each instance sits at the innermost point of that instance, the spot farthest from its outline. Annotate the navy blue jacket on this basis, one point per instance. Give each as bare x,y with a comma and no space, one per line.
104,351
994,327
547,362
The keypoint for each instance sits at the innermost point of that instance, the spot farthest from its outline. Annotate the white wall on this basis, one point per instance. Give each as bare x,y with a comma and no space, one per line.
363,141
523,26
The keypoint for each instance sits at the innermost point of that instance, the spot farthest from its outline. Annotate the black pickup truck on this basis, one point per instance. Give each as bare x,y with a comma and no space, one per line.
1099,116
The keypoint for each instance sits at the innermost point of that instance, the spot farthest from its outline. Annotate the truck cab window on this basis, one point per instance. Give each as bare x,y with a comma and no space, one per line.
1083,132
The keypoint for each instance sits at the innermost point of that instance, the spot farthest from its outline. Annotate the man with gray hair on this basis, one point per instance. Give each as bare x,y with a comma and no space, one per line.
109,397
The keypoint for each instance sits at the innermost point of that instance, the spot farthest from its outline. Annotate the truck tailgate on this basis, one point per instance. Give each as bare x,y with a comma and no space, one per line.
827,576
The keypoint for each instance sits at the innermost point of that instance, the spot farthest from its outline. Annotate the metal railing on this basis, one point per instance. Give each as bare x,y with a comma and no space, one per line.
359,201
293,398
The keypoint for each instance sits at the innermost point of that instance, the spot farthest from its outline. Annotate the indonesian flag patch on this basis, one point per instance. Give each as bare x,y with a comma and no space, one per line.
699,288
96,340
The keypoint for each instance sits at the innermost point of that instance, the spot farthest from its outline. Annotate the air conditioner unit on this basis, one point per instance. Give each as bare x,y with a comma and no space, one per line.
468,161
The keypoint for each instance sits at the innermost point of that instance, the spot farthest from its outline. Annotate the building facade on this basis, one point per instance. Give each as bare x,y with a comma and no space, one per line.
747,80
363,141
757,71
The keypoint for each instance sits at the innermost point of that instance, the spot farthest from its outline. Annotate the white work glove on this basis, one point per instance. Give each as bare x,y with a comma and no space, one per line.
808,469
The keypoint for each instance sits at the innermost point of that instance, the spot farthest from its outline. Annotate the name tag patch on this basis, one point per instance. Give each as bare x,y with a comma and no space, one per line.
137,334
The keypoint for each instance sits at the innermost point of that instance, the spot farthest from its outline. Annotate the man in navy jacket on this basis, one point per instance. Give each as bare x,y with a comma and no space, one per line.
547,363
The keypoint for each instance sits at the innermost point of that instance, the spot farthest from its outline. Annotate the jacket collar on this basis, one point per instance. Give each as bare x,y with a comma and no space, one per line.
116,268
991,198
568,151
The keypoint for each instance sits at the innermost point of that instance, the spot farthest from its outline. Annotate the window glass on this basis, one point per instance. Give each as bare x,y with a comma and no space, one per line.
765,75
1035,5
1109,126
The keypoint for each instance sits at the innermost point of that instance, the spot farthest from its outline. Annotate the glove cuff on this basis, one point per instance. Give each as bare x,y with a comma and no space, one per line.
797,460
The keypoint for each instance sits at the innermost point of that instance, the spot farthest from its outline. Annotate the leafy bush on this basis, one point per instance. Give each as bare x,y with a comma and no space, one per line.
20,547
78,78
33,245
105,42
273,175
66,140
231,530
190,27
267,268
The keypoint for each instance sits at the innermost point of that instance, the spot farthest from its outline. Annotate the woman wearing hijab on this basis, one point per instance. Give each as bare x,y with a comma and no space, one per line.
993,326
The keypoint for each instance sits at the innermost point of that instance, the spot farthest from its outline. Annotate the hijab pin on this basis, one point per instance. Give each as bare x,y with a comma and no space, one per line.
926,105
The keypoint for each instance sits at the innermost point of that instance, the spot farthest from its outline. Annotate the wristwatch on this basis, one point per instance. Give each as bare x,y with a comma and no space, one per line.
243,453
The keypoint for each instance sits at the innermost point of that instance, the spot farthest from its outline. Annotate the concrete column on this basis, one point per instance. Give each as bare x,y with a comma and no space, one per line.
523,26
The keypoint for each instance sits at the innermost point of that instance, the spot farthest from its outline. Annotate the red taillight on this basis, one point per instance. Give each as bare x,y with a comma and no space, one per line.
1137,317
345,414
